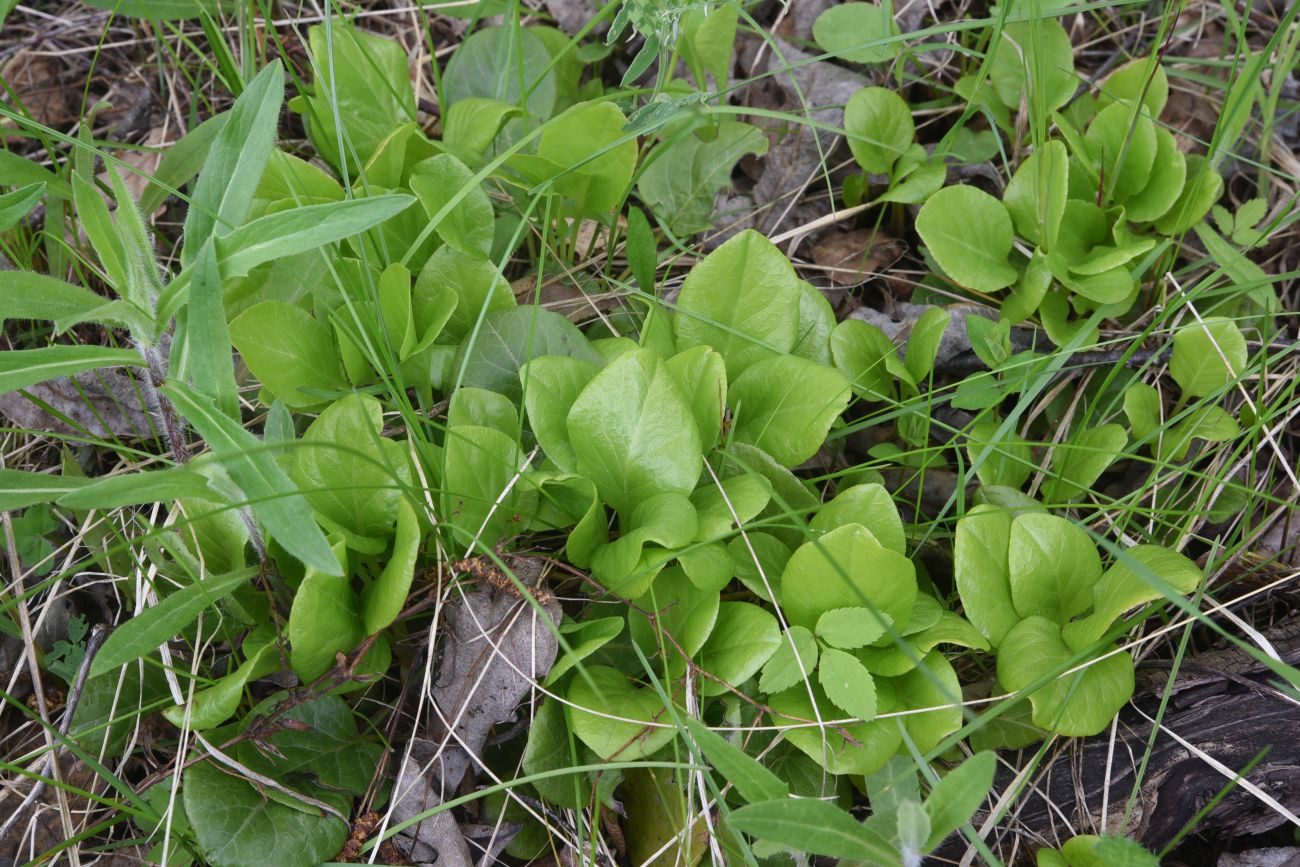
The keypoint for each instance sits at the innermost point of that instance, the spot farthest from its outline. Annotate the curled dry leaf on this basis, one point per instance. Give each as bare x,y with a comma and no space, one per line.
102,403
496,645
854,257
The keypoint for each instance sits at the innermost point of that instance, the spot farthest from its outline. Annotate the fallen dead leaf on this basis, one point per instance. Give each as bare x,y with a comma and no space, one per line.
104,404
495,646
852,258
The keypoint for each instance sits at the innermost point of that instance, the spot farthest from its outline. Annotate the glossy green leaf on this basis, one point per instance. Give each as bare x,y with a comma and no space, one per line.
508,339
476,406
1203,187
468,226
481,482
1122,148
794,660
744,638
1142,78
682,178
323,621
633,433
1078,462
1052,565
507,64
969,233
628,565
923,342
869,505
601,693
877,120
551,385
847,568
238,826
1078,704
211,706
786,405
383,599
1163,187
681,610
1123,587
1008,462
583,638
470,124
701,377
1034,63
291,353
1208,354
858,32
344,469
362,83
980,565
865,356
1035,196
598,157
742,300
324,743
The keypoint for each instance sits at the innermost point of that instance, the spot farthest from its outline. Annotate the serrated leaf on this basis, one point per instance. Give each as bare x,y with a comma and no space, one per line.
794,659
849,628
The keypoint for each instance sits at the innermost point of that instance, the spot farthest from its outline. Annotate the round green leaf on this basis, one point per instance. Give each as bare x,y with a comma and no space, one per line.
847,568
845,30
878,121
969,234
869,505
237,825
1053,565
742,300
1207,356
743,639
599,693
786,405
633,433
1078,704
